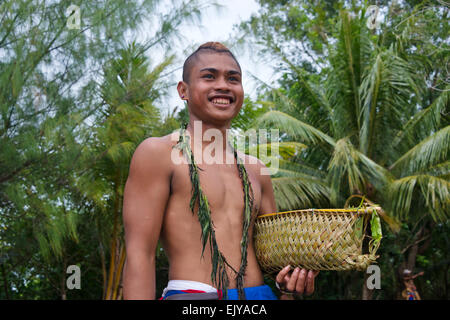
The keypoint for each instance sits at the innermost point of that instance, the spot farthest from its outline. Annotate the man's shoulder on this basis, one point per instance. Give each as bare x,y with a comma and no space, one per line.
158,144
156,150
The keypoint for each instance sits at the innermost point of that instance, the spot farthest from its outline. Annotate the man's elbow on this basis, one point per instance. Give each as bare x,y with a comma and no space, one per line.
139,262
139,278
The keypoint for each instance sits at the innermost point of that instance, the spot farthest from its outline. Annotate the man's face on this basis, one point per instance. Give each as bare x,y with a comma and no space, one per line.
214,90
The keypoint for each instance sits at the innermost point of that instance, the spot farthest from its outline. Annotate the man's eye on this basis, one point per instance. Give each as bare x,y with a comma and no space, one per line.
208,76
234,79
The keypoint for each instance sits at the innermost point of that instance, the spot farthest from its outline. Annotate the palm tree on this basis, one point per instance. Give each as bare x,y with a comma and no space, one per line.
371,126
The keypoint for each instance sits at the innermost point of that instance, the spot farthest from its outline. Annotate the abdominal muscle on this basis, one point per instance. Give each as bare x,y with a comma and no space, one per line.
181,240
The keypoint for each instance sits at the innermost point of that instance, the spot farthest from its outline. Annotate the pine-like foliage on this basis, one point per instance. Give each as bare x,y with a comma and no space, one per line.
74,103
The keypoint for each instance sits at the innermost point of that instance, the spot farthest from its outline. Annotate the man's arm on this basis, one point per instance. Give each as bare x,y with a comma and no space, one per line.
268,204
145,197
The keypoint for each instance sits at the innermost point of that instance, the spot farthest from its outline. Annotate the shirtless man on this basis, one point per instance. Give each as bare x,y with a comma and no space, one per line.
158,193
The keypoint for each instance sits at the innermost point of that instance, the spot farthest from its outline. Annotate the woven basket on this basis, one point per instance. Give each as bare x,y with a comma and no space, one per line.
318,239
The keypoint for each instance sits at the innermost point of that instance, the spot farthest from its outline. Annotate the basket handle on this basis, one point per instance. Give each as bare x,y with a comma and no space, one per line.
391,222
375,224
364,200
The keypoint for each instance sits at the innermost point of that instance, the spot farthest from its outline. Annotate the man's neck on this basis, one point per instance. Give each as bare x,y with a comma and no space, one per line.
208,138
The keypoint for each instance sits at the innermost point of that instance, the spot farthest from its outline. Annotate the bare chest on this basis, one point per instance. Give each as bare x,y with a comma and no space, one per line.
221,184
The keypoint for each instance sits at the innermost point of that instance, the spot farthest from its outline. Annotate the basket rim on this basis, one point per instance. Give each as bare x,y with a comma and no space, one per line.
364,210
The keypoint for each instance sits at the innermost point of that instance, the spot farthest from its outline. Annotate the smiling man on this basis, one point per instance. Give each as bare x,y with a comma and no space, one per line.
203,214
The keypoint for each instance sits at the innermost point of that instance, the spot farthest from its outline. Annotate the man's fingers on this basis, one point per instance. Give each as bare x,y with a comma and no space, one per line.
281,275
300,280
291,284
310,281
300,287
286,278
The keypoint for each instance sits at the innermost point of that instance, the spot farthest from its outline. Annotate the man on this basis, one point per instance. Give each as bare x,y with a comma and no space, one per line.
410,292
209,245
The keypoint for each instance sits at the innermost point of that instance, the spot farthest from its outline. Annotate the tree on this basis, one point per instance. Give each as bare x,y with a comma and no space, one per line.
370,124
51,119
129,116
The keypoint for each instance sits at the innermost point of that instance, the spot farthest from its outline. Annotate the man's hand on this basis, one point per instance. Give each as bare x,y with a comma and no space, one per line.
299,281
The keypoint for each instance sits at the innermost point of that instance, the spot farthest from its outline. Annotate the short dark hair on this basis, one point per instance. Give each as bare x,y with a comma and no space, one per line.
210,46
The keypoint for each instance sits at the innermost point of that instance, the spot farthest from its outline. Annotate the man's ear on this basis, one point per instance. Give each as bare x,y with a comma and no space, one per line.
183,90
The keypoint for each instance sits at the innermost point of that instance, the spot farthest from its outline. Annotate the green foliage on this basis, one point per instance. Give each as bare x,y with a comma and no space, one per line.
361,111
249,112
74,104
370,106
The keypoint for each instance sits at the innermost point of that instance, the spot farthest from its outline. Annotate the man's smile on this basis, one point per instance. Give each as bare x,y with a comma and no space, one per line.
221,100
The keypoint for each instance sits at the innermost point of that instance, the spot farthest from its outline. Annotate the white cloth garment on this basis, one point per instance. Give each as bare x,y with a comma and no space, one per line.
187,285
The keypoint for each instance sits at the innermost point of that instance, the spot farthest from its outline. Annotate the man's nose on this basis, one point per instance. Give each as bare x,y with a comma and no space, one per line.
222,84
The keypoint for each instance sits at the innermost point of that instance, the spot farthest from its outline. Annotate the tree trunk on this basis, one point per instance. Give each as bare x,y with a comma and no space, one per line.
114,284
63,280
102,260
5,282
412,255
118,253
366,292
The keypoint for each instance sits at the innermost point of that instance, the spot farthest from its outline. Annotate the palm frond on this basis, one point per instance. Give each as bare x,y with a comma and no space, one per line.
344,77
386,93
296,167
355,169
344,164
285,149
292,193
295,128
441,170
350,44
428,152
434,190
423,122
369,95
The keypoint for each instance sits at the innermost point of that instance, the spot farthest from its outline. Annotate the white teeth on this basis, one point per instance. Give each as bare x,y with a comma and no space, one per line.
221,101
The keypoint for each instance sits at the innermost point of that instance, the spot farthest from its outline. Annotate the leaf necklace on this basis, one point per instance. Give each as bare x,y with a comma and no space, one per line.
219,276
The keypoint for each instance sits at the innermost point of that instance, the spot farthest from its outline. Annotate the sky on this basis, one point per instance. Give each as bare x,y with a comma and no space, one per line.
217,25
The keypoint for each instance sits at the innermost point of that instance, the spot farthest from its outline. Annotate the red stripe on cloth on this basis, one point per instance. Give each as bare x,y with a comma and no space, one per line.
193,291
